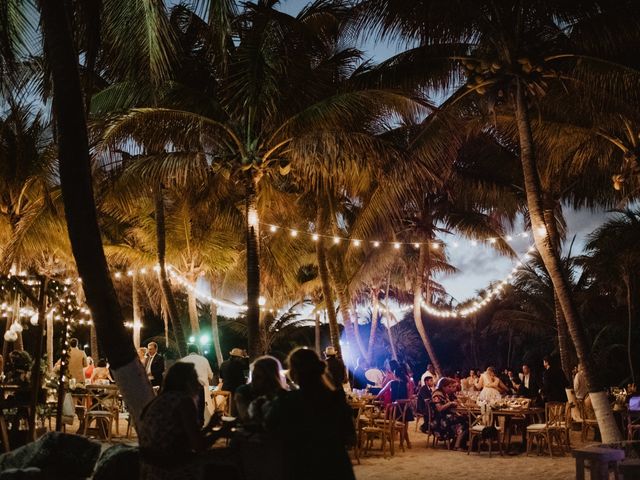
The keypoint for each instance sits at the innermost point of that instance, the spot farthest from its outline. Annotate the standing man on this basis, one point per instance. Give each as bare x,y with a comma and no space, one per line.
77,361
232,371
335,366
205,375
553,383
525,384
155,365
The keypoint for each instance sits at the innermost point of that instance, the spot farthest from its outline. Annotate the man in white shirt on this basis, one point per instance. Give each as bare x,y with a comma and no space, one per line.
205,375
580,383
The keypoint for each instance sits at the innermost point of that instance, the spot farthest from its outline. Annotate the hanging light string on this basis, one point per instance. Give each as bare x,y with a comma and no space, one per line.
435,244
480,302
173,273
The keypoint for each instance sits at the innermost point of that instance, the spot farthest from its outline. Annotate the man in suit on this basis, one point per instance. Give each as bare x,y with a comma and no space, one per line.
526,384
154,365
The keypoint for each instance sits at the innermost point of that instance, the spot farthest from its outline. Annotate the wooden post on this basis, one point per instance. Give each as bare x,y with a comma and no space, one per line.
36,373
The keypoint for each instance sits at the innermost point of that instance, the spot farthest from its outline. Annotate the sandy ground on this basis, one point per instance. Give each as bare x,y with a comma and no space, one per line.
427,463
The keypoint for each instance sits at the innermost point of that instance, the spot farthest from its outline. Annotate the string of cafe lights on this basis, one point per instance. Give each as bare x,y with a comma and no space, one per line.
434,244
480,302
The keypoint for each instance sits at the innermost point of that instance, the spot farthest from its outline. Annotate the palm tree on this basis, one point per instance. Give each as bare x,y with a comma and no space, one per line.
612,260
514,54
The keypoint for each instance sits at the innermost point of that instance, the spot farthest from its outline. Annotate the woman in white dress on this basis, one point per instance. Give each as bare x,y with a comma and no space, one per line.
490,386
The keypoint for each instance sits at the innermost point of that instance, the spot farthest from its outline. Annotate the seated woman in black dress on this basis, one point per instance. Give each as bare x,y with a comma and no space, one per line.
313,423
447,423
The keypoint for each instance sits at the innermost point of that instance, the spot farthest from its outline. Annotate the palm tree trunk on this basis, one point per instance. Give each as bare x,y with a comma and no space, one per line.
192,302
417,308
317,332
392,344
564,345
215,334
253,277
375,311
93,342
137,311
165,286
49,342
339,277
551,260
323,271
631,312
80,211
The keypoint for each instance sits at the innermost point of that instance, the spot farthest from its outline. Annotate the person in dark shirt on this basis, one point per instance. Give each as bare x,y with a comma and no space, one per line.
336,367
232,371
553,383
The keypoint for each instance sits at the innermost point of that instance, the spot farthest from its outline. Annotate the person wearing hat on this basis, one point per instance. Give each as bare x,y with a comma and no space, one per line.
335,366
232,371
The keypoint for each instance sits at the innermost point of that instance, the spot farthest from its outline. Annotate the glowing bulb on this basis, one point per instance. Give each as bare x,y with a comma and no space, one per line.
396,245
416,245
376,244
192,339
356,243
492,240
273,228
294,233
129,273
117,275
143,271
204,339
315,237
509,238
262,301
336,240
435,245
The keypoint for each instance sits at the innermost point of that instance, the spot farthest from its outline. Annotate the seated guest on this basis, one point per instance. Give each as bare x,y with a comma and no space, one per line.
525,383
169,432
447,423
335,367
265,384
468,384
424,395
101,374
314,423
430,369
374,376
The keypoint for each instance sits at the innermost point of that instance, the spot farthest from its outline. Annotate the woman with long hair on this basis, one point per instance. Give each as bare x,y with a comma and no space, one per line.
313,422
265,384
447,423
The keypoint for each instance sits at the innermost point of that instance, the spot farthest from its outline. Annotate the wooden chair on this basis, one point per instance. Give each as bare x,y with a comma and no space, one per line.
105,409
380,426
477,425
552,429
588,419
632,424
417,415
358,423
222,401
403,407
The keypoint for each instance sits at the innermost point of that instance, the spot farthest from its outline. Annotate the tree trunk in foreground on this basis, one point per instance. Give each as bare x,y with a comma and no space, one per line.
417,308
165,286
80,211
137,311
564,344
215,333
606,422
375,312
253,278
192,302
323,271
631,312
317,332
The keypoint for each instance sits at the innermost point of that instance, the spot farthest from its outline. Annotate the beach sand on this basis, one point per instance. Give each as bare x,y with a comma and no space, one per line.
427,463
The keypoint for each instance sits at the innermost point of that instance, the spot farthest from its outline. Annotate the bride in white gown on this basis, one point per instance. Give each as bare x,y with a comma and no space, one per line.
490,385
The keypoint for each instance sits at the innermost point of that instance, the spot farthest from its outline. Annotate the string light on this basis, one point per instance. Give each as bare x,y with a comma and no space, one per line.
204,297
480,302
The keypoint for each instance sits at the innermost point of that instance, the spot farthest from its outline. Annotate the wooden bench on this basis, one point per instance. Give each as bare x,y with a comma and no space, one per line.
601,460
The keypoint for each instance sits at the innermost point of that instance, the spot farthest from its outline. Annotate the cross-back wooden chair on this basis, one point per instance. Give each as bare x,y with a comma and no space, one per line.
552,430
484,426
